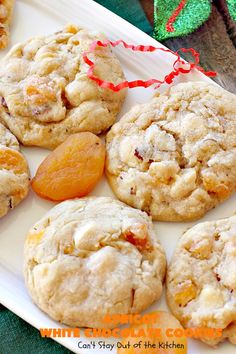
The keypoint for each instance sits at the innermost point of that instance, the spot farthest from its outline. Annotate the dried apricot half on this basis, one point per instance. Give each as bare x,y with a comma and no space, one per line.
72,169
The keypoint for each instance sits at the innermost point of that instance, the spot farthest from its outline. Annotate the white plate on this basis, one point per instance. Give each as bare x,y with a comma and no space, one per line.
35,17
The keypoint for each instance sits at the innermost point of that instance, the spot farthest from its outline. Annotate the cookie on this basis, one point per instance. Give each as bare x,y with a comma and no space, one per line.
14,172
175,157
6,9
91,257
46,93
201,280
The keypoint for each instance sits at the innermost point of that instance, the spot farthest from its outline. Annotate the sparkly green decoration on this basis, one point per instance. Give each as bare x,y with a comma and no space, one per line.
232,8
184,20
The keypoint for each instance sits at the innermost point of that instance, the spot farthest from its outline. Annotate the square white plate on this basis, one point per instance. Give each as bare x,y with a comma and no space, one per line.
36,17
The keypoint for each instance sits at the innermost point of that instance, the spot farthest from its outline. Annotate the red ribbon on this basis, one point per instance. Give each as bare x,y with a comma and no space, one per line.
179,65
172,19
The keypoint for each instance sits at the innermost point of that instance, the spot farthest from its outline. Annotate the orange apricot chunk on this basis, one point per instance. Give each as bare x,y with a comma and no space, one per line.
140,243
138,236
35,238
72,170
167,325
13,160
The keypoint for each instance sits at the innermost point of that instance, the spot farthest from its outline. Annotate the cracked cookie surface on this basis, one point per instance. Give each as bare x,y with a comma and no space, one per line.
175,157
201,278
46,94
14,172
91,257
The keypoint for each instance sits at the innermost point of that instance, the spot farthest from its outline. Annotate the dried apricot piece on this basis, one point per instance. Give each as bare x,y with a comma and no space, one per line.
213,185
137,242
39,91
138,236
12,160
35,238
162,333
185,293
72,169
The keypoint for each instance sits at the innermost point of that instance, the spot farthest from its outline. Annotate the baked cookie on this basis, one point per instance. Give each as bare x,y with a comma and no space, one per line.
201,280
14,172
91,257
175,157
46,94
6,9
